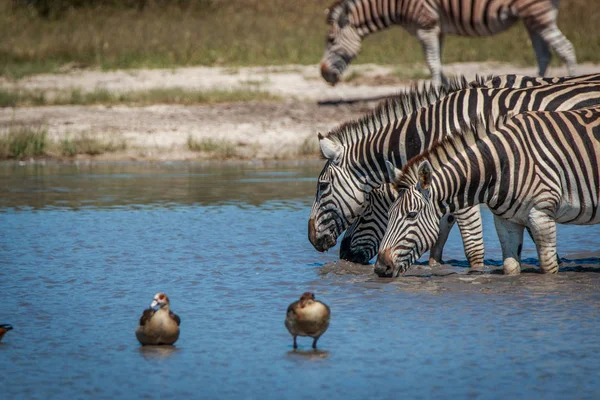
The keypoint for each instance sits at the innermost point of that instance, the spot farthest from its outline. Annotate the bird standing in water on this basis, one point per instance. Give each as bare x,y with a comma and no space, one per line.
158,325
307,317
3,329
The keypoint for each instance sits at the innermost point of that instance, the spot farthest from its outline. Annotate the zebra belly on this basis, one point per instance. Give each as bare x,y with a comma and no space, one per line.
578,212
472,22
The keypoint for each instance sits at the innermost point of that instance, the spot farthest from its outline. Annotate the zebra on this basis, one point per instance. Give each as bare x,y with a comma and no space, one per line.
401,128
351,20
532,170
361,240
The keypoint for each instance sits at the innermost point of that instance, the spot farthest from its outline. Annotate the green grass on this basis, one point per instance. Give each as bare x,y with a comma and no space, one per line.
27,141
23,141
215,148
257,32
86,143
175,95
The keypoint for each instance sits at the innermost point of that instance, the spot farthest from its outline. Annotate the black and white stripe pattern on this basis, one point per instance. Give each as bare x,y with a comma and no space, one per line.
535,169
402,128
361,240
429,20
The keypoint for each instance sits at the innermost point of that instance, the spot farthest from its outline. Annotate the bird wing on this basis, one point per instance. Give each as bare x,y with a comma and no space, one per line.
146,315
175,317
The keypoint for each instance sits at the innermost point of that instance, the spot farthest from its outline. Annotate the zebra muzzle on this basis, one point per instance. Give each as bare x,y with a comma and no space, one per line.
384,266
330,76
321,242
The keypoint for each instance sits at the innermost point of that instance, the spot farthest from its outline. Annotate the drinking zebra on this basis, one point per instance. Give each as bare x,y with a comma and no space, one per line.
351,20
536,169
361,240
401,128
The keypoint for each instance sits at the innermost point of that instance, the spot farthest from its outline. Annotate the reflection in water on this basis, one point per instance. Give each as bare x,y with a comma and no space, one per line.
157,352
78,186
312,354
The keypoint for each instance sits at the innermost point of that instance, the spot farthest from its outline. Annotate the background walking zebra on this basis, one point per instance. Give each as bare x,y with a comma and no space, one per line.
538,168
361,240
400,129
351,20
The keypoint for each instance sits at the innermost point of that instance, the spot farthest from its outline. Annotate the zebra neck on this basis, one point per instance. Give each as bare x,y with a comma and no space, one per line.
468,179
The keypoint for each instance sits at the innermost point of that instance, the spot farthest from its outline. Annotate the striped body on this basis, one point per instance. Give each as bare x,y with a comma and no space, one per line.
361,240
351,20
535,169
400,129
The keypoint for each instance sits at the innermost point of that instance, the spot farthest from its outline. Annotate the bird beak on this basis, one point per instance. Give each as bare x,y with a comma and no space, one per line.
155,305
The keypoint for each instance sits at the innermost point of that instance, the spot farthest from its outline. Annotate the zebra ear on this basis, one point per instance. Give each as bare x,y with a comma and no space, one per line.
394,174
330,150
424,173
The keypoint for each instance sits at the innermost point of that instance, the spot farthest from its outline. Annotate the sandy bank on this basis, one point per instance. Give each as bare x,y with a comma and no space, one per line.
257,130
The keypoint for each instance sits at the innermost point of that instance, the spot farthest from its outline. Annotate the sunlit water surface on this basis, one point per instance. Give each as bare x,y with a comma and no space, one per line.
83,249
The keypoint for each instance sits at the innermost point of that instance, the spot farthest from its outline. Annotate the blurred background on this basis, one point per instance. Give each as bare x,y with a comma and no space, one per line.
217,79
45,35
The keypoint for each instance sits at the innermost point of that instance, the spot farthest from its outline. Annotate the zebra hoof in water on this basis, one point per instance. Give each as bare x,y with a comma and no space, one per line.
511,267
433,263
475,271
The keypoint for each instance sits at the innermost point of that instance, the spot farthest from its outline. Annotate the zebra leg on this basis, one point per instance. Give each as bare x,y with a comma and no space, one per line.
561,45
430,40
471,231
435,254
542,51
543,232
531,236
511,241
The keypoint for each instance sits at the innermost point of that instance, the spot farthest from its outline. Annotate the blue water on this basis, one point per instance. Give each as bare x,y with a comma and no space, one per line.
84,248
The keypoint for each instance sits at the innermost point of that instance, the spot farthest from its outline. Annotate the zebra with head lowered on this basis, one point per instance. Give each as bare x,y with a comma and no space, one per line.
536,169
351,20
361,240
402,128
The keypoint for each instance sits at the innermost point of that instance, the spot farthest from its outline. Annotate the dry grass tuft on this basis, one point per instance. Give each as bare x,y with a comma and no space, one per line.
213,148
136,98
22,141
87,143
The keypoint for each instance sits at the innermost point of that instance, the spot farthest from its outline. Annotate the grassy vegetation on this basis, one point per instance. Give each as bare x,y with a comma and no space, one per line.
212,147
86,143
174,95
24,141
160,33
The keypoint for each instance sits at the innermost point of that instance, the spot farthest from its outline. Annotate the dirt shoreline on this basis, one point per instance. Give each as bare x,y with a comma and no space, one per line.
254,130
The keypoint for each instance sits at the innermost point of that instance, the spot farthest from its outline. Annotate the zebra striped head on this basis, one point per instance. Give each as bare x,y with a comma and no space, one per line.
343,43
414,220
361,241
340,199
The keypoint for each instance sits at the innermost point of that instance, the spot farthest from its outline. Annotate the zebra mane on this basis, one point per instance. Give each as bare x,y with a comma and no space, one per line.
461,138
333,12
394,108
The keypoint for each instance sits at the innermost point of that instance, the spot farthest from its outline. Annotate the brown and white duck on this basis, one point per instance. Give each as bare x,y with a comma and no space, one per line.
307,317
3,329
158,325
